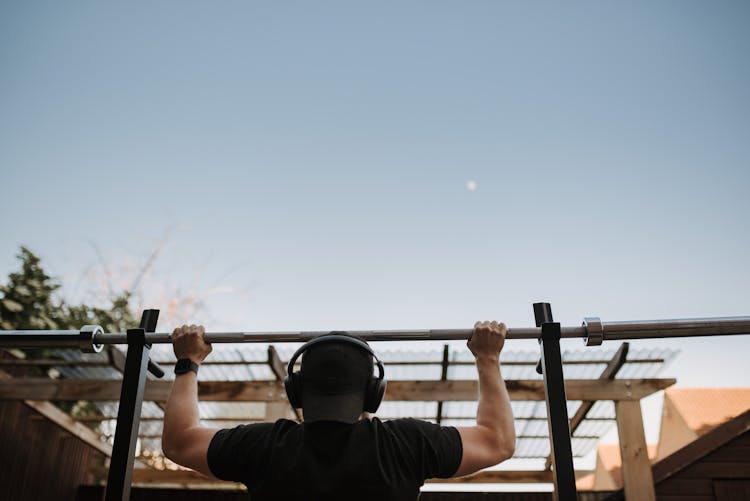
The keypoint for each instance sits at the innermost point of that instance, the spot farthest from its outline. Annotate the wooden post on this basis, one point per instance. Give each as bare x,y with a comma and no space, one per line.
637,477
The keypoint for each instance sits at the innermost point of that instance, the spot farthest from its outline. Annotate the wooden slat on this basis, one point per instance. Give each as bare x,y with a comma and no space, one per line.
687,497
270,391
730,453
717,470
732,490
637,478
697,486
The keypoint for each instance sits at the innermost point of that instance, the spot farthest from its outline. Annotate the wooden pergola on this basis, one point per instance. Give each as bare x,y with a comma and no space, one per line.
93,378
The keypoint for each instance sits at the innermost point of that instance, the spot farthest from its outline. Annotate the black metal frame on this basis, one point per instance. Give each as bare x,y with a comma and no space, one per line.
137,363
557,407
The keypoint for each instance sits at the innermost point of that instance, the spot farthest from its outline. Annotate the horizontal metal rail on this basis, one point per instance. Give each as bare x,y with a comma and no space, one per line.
593,329
19,362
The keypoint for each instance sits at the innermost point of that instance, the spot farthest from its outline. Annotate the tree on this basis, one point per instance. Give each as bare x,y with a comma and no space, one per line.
27,299
29,302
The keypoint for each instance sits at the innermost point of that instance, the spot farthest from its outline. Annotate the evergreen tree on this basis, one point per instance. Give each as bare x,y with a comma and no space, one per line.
28,301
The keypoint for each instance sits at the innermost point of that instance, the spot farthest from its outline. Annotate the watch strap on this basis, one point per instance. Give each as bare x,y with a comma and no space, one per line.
185,365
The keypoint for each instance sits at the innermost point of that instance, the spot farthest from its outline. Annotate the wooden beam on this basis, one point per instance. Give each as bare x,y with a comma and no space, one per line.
67,423
155,390
506,476
116,358
64,421
54,363
94,419
613,367
518,437
184,478
192,478
271,391
527,389
637,477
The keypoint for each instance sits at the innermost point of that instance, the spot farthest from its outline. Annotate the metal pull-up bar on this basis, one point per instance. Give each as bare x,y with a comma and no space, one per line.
91,338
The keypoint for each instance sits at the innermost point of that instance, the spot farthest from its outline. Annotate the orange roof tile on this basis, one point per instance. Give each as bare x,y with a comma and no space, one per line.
705,408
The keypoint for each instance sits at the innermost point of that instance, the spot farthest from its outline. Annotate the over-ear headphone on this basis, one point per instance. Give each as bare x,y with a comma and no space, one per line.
374,391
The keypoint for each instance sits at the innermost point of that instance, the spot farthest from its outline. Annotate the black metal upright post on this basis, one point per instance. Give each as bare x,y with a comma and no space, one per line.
129,410
557,408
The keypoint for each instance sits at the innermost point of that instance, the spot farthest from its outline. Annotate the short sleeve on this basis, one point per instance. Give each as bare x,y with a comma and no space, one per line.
234,454
437,449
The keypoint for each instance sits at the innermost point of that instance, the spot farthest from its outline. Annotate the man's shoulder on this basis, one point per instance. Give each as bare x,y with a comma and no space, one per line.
266,427
409,424
407,421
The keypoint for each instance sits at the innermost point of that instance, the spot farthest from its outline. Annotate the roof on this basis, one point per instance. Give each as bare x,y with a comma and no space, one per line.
705,446
705,408
701,409
702,447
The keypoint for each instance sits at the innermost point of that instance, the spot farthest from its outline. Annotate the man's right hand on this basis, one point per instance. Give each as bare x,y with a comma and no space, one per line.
488,340
188,341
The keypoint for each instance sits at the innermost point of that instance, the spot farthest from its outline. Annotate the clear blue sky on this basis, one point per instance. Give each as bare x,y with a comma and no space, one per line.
312,160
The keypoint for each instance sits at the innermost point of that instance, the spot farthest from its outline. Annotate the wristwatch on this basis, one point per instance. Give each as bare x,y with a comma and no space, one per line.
185,365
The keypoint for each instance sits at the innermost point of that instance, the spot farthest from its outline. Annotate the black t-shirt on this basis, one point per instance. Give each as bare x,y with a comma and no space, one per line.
367,460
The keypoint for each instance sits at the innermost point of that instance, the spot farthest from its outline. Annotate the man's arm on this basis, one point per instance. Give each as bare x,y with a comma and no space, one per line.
183,440
493,439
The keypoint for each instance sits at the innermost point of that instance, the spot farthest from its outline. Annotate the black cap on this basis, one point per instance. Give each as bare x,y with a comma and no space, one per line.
335,376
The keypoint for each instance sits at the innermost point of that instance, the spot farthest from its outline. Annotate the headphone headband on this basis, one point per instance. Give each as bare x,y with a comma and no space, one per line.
335,338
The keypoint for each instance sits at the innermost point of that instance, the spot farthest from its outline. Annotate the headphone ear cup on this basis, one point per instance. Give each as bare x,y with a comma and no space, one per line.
375,393
293,390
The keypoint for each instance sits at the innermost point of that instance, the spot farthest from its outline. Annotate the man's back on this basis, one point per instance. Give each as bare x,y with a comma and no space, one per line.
333,460
333,455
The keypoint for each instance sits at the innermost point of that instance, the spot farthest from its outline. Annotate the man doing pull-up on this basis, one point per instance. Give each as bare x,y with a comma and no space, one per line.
338,451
